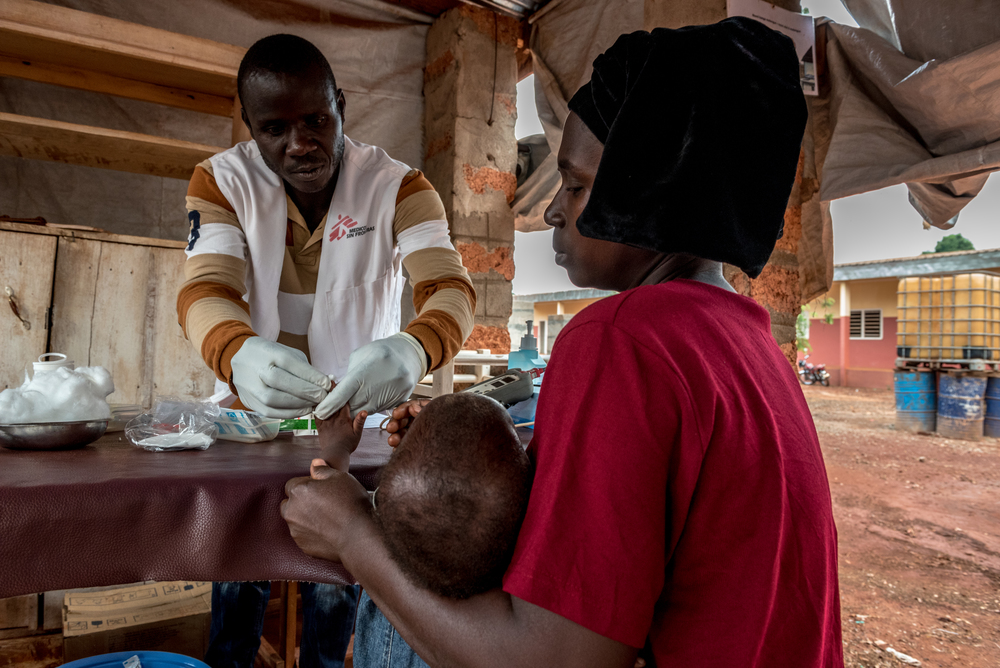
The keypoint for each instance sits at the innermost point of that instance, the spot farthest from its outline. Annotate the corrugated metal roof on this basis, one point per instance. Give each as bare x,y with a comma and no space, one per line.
921,265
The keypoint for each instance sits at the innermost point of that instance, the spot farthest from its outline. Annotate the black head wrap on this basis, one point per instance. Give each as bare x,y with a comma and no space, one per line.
701,129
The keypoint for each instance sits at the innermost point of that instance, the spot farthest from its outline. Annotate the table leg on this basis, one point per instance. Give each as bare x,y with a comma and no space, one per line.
289,612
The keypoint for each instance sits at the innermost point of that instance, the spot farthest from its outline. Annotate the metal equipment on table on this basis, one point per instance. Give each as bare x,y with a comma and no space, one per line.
51,435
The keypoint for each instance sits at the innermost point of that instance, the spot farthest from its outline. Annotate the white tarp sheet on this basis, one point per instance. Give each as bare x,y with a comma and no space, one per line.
566,36
377,51
914,98
933,124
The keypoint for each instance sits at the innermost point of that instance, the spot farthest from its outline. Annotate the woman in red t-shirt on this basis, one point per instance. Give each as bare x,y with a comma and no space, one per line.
680,510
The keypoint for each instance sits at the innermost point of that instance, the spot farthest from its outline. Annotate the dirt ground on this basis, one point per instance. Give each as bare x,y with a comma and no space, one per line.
919,524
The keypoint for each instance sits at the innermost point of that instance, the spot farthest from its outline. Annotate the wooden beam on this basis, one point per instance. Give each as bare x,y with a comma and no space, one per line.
94,235
40,32
267,657
98,82
42,139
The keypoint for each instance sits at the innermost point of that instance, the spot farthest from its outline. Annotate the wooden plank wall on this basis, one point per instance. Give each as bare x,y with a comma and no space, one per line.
114,306
26,266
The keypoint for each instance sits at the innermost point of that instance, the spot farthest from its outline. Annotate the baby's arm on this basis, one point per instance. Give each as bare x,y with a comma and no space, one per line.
339,436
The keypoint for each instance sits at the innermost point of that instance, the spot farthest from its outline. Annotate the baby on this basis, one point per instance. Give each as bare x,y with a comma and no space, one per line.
451,500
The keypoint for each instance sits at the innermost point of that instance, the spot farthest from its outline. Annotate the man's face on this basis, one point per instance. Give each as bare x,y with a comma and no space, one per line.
590,263
298,123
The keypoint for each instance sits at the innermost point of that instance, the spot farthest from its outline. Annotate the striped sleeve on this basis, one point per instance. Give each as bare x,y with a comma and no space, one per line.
210,305
443,296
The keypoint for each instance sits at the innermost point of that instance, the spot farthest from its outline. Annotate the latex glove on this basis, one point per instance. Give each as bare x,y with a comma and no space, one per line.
275,380
380,375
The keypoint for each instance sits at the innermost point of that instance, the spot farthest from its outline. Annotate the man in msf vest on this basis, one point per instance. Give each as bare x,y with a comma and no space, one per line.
293,277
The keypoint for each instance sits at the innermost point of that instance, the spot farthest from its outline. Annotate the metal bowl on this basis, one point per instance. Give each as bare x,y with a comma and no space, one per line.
51,435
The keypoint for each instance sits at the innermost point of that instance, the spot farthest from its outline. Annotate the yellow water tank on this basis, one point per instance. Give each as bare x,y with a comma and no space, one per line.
953,317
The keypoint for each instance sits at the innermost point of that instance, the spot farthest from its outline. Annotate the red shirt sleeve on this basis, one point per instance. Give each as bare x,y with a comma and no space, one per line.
593,546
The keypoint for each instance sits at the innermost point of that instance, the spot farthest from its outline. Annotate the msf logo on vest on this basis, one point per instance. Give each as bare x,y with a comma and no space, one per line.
347,227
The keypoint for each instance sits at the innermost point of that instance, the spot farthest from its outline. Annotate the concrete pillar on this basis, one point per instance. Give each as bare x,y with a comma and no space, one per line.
845,334
470,152
777,288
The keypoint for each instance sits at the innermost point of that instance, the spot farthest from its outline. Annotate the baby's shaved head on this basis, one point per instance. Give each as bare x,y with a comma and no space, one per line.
451,499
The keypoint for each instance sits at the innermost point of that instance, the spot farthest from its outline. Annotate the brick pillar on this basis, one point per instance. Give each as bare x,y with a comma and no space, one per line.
778,288
470,157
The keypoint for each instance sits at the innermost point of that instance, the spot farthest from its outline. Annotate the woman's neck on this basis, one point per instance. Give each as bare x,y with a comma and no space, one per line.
667,267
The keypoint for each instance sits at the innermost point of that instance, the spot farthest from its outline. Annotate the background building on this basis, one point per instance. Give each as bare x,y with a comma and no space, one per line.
859,347
549,313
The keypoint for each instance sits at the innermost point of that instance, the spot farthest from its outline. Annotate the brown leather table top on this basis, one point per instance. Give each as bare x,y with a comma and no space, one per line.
111,513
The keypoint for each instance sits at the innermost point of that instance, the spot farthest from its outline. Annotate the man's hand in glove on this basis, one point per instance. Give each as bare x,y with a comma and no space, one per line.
275,380
380,375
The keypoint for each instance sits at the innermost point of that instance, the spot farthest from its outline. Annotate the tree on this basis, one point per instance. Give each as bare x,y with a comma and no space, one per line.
952,242
808,312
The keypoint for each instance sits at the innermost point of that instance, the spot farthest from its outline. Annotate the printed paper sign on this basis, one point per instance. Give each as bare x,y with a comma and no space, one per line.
800,27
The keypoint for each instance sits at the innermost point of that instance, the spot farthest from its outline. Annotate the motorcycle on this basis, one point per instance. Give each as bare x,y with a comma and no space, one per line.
813,373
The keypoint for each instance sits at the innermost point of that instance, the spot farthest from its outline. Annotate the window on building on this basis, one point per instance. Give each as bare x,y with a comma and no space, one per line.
866,324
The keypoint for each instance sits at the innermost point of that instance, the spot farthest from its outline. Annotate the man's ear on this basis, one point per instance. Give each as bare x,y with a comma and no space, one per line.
341,105
246,121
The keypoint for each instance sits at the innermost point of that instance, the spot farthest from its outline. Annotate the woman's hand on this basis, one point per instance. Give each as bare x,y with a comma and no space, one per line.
402,417
324,510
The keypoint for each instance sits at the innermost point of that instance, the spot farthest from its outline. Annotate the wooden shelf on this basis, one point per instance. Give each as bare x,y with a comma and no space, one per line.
91,235
39,33
98,82
42,139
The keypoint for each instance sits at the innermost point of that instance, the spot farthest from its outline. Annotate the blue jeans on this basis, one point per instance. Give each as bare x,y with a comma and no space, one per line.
238,619
376,642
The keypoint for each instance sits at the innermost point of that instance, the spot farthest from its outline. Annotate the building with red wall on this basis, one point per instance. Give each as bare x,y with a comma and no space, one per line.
859,347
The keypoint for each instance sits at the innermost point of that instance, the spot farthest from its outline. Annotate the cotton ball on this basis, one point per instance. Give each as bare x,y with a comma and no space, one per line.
100,377
59,395
13,403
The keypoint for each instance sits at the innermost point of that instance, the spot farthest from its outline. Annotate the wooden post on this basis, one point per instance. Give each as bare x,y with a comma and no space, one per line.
289,612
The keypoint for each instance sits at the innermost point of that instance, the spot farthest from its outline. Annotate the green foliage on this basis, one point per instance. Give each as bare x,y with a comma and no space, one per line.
950,243
802,329
807,314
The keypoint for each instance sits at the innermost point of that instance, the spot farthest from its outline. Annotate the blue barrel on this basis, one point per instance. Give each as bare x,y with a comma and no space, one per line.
916,400
991,425
960,407
147,659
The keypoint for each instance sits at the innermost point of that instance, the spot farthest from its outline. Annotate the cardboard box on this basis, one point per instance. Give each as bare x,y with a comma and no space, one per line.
164,616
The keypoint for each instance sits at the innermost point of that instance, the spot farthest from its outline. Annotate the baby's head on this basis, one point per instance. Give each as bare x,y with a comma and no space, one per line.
452,498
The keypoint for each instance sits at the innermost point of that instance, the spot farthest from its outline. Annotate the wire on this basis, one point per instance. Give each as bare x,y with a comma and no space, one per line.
496,42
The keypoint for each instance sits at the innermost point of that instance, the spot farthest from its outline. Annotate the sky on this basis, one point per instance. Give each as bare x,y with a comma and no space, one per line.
873,226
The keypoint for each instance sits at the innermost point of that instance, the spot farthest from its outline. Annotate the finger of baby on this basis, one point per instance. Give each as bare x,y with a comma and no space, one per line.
359,421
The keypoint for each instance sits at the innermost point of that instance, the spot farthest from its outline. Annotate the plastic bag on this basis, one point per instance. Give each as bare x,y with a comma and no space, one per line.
175,424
